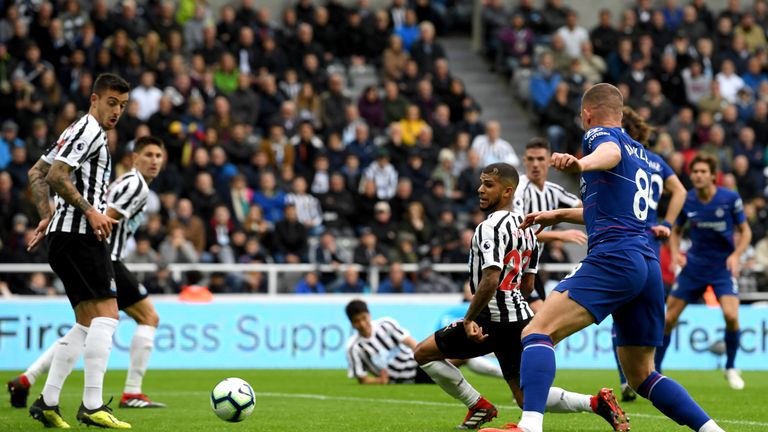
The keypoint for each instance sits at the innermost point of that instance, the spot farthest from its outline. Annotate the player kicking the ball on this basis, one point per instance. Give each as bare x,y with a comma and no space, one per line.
503,263
126,201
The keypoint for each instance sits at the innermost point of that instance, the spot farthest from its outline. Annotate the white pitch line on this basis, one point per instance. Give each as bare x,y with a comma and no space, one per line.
322,397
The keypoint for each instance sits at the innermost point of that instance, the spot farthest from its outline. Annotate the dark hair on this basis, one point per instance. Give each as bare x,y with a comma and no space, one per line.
109,81
706,158
537,143
354,308
144,141
505,172
635,126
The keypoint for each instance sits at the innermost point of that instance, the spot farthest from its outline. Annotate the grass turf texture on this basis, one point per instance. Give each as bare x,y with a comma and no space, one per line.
325,400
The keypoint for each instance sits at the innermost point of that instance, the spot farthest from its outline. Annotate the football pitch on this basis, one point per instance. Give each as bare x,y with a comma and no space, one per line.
325,400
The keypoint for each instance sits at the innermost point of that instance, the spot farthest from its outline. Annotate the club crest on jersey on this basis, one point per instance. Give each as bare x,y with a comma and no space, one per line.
719,212
486,246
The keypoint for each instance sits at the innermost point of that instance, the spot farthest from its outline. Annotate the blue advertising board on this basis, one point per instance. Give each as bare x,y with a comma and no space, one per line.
311,333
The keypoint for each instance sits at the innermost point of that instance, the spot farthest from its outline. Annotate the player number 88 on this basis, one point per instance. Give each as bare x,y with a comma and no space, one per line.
642,198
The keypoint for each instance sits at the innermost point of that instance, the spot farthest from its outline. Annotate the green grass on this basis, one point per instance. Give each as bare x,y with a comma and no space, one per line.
325,400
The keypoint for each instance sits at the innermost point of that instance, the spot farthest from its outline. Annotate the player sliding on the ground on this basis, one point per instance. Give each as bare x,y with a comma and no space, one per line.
126,202
713,214
503,261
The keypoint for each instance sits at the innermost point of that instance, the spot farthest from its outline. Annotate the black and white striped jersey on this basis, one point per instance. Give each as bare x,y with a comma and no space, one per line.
128,196
529,198
383,350
83,146
500,243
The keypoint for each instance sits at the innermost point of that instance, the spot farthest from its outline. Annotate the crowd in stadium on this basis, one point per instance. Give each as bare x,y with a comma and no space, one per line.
344,122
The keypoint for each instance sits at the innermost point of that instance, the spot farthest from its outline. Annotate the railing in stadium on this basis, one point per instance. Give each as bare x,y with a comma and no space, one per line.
272,271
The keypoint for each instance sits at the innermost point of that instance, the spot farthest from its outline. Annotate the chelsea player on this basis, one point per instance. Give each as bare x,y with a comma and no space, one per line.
620,274
663,181
712,214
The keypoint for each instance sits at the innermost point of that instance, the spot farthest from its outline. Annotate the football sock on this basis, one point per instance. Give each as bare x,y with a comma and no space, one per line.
66,352
483,366
98,344
537,372
622,378
661,352
141,348
710,426
562,401
673,400
450,379
731,347
41,364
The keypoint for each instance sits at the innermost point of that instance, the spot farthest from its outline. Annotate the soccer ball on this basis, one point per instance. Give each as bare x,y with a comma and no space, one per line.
232,400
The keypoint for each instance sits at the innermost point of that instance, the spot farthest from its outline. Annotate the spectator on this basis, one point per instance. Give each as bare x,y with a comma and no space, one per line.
257,227
561,116
730,83
572,34
408,29
661,109
221,226
371,108
426,50
290,238
753,33
544,82
604,36
415,223
333,104
239,198
697,85
351,283
307,207
394,59
338,206
327,253
516,41
714,102
18,169
269,199
430,282
495,17
554,15
394,104
384,175
619,60
161,281
177,249
310,284
396,282
8,141
369,252
491,148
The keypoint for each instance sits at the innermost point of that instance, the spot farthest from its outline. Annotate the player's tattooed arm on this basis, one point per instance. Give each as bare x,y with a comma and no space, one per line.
40,189
484,293
59,180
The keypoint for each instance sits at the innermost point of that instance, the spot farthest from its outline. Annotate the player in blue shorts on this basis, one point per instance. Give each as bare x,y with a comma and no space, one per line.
712,214
663,181
620,275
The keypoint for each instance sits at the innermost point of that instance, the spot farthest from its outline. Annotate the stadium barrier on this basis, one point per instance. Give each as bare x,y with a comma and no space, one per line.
300,332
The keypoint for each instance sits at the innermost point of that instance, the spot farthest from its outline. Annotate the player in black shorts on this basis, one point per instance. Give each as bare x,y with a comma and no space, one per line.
503,262
126,202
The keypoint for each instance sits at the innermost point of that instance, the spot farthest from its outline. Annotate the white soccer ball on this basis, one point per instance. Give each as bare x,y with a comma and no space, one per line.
233,400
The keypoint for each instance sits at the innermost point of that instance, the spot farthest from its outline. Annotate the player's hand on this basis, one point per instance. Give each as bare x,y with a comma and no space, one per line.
101,224
543,219
474,331
677,262
660,231
384,376
566,163
39,234
733,263
573,236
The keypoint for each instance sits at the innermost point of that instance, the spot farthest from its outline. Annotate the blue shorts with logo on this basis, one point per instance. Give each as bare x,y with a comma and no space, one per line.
693,280
625,283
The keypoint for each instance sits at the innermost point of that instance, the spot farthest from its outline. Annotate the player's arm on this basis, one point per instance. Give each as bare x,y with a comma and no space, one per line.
383,378
486,289
733,262
568,236
606,156
59,179
675,188
41,193
674,248
114,214
526,287
410,342
553,217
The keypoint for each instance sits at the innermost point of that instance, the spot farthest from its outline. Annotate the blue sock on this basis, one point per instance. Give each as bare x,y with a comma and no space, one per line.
673,400
622,378
661,351
731,347
537,371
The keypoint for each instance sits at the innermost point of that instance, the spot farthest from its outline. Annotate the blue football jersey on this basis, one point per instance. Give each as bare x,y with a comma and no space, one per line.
617,201
660,172
710,226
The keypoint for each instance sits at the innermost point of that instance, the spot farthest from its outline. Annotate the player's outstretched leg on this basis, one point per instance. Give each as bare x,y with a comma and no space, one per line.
730,305
483,366
627,394
141,349
450,379
19,386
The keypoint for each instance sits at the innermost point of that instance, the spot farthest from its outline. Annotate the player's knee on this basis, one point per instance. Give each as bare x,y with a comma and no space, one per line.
420,354
669,323
731,319
153,319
